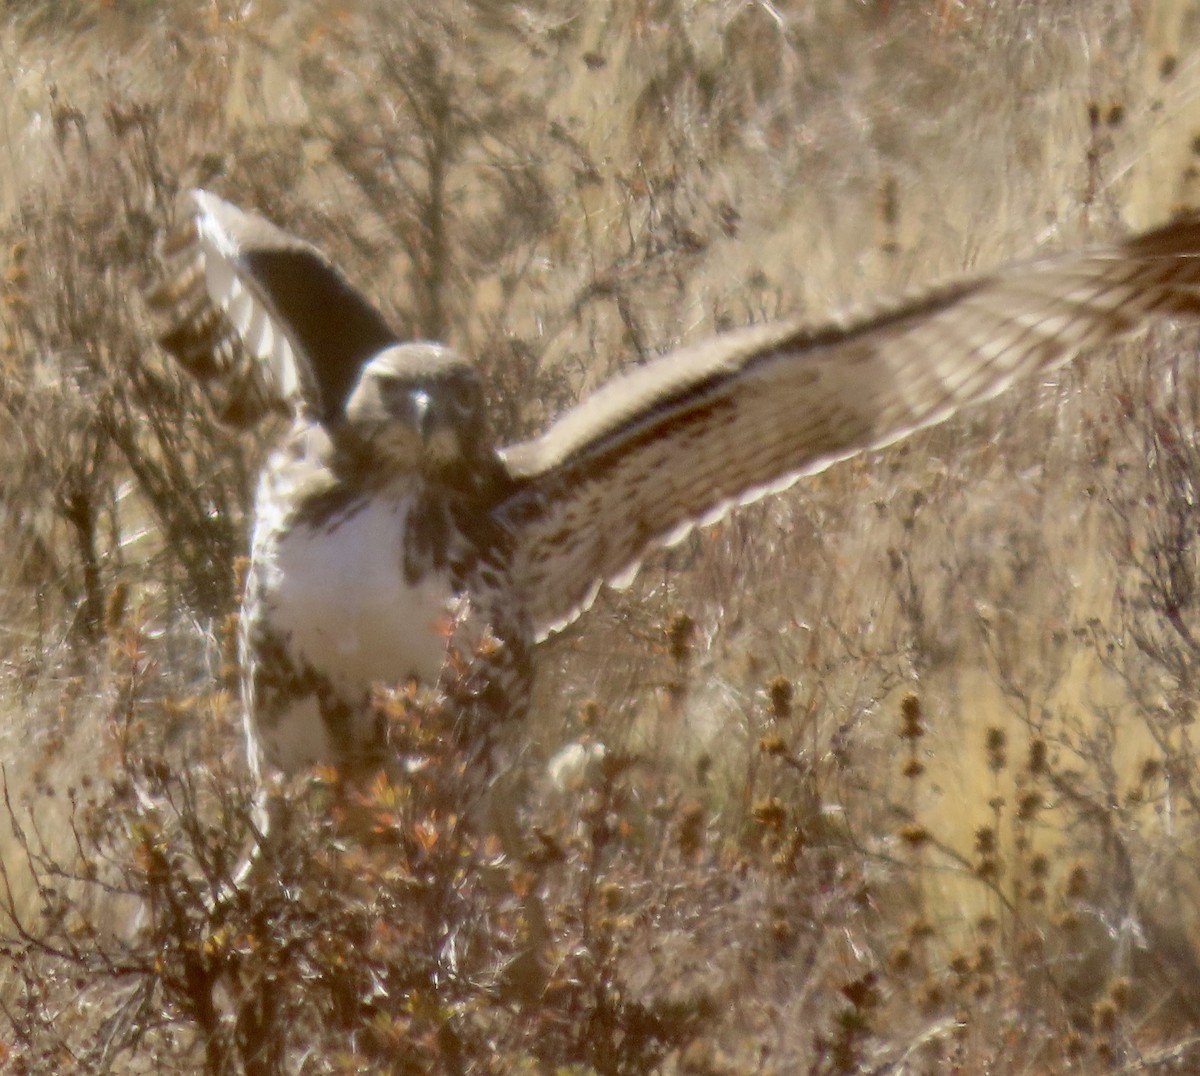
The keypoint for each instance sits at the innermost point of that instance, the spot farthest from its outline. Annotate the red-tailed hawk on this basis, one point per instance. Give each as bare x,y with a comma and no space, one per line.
388,512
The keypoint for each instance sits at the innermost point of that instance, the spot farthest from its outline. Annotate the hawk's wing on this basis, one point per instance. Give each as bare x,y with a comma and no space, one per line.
264,313
678,442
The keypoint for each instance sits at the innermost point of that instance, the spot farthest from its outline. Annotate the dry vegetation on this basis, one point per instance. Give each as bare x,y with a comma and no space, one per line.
900,768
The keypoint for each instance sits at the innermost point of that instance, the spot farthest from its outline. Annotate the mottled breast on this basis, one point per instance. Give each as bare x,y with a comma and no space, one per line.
335,604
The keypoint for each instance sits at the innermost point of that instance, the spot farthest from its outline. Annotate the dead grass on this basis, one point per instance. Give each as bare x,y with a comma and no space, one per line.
899,771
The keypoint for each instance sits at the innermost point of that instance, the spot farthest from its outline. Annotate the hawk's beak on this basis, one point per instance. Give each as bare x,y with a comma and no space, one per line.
421,413
439,439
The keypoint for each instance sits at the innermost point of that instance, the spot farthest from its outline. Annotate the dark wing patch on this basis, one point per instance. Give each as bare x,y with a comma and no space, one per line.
328,320
679,442
261,317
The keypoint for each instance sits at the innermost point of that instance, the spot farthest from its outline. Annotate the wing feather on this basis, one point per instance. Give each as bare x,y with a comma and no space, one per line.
262,317
679,442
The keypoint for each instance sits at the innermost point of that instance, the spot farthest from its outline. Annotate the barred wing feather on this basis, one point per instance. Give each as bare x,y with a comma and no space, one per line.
262,317
679,442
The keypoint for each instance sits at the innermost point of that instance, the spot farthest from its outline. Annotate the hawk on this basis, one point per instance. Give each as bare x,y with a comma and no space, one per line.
391,530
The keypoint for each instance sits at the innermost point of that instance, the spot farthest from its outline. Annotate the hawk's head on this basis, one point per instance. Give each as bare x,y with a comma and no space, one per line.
417,408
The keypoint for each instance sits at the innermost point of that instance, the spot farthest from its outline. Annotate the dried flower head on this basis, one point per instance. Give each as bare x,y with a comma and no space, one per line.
1077,881
780,692
773,745
1028,806
770,813
1104,1016
680,627
996,744
590,713
911,727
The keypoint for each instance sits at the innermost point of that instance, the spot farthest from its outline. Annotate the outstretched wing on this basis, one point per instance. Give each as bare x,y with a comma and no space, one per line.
678,442
262,316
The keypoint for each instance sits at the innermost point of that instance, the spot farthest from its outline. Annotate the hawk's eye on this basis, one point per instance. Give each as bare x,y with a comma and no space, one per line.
463,397
390,387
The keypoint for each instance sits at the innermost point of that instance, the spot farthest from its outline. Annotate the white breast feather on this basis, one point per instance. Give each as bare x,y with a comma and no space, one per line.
339,595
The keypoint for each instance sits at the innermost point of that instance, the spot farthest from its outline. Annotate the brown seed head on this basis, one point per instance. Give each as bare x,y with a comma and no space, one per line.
773,745
590,713
770,813
781,692
679,636
910,718
996,743
1077,881
1028,806
1104,1016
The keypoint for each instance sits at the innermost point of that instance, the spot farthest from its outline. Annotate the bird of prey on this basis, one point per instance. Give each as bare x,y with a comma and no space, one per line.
391,530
